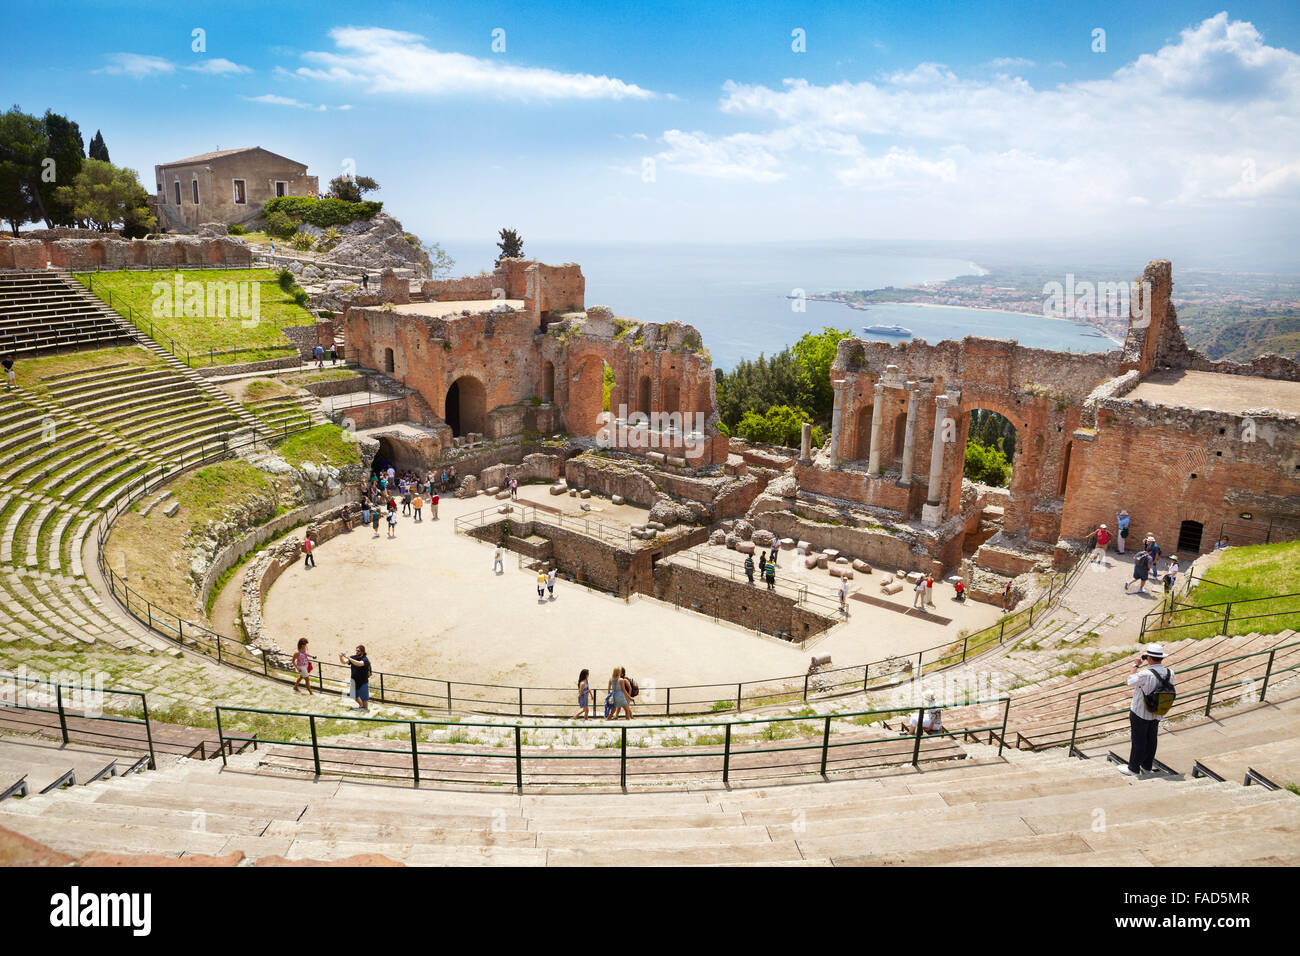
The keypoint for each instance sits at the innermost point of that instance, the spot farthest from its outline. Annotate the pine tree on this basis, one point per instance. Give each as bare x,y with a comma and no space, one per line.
98,150
511,245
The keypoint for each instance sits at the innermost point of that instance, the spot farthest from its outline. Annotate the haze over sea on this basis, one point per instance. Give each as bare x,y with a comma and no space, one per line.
736,295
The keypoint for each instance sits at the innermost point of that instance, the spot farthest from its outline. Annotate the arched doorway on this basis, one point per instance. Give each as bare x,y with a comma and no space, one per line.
548,381
990,448
466,406
900,437
672,396
388,361
643,395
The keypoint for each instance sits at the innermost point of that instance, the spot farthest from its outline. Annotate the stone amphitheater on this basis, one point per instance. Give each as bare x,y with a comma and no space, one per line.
191,746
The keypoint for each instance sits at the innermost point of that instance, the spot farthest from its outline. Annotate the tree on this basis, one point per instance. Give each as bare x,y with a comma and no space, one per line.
350,187
97,148
986,465
22,147
815,353
781,425
511,245
107,196
63,146
440,264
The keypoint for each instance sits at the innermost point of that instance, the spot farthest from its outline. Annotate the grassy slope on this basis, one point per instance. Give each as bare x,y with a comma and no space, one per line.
1245,574
201,333
323,444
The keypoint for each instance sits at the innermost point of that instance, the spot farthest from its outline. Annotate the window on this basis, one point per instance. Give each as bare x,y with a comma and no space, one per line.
281,188
194,190
240,197
177,184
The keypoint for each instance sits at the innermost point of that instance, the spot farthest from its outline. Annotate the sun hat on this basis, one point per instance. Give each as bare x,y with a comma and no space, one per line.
1154,650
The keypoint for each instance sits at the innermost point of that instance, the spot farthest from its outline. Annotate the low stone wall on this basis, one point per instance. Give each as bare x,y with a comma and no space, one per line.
376,414
535,467
340,386
609,479
25,254
750,606
265,365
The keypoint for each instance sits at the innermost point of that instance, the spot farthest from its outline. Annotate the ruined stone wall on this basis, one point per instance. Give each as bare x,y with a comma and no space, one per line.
751,606
27,254
632,485
1166,466
466,287
110,253
549,289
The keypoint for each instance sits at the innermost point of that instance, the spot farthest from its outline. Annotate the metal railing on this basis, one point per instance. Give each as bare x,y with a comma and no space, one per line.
1183,702
1218,617
81,712
477,764
526,513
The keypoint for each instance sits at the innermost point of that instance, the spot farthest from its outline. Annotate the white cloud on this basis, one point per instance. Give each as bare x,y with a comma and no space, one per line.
219,66
378,60
1172,129
276,99
137,65
1010,62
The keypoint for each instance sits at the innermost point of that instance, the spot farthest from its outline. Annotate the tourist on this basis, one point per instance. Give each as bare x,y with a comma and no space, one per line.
749,567
931,719
406,500
1171,573
391,506
550,584
618,696
1150,681
308,546
776,546
334,351
1121,530
392,523
1141,570
1102,536
365,512
374,520
541,586
418,504
365,282
769,575
762,564
8,363
392,474
499,559
1006,596
844,596
929,590
360,665
433,507
302,664
584,697
514,489
959,589
1221,543
318,353
346,515
919,598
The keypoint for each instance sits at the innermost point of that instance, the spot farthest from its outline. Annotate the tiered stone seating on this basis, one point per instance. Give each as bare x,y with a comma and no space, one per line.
293,411
42,764
46,311
56,609
1035,809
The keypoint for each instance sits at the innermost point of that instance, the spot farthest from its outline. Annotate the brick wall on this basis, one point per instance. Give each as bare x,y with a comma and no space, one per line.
751,606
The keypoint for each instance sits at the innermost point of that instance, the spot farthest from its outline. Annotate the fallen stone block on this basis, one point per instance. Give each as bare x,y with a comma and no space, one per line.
573,492
861,566
886,580
718,537
731,541
558,489
505,510
677,462
656,525
745,547
656,456
804,546
823,560
831,554
493,490
617,500
840,571
763,539
914,577
842,560
502,495
585,493
787,544
171,509
810,561
892,588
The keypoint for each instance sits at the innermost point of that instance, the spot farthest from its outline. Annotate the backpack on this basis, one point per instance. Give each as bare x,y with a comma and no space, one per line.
1160,700
633,690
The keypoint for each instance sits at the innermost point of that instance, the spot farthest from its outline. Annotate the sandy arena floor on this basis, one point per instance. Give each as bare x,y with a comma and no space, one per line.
427,603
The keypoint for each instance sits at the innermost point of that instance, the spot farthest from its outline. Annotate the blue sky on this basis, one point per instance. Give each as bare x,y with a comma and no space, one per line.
660,121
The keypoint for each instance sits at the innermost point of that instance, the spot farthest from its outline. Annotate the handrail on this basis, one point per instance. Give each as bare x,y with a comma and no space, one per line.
25,683
1208,694
517,756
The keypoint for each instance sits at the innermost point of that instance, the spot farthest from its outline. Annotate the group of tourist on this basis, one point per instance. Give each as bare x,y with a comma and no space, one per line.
1146,562
620,692
359,664
766,566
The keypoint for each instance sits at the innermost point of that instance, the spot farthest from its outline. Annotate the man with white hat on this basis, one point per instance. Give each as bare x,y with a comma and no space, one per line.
1122,523
1152,683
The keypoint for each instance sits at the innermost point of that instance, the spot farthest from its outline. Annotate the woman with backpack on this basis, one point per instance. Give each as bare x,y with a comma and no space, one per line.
618,695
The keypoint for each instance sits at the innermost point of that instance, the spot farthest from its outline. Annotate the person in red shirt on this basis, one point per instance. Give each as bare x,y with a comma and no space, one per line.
433,507
1103,539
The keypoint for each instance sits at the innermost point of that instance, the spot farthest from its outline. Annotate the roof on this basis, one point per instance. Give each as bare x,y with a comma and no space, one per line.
1217,391
207,157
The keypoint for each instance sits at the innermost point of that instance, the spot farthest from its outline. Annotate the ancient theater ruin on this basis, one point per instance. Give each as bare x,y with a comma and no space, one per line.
511,374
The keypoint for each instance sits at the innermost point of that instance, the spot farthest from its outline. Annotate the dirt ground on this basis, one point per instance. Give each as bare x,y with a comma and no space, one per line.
427,603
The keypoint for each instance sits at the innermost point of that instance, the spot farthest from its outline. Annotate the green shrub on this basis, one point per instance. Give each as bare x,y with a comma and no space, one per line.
285,279
782,425
302,241
321,212
986,465
301,297
280,225
236,230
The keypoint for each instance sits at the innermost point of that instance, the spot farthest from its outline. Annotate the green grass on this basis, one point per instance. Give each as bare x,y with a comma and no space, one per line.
1254,573
329,375
321,444
133,295
30,372
214,488
260,389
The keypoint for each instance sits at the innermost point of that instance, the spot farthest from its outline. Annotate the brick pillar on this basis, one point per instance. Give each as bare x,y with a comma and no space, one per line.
877,416
909,434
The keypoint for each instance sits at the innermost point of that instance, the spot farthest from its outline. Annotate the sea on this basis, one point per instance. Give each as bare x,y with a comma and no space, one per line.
746,299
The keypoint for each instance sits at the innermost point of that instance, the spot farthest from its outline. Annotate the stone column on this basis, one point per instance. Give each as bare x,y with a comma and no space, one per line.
877,416
837,419
805,445
909,434
936,449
